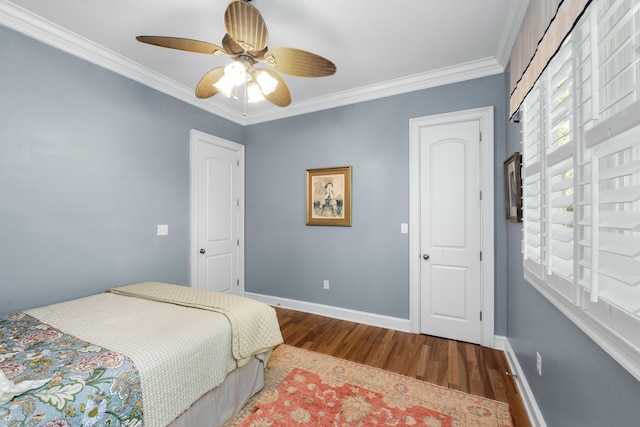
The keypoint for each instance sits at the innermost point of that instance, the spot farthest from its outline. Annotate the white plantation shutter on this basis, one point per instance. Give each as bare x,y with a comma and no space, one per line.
618,44
559,172
610,275
609,232
533,126
548,175
581,178
586,72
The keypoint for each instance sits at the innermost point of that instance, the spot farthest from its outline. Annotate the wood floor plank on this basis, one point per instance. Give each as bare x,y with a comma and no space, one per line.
462,366
453,372
483,373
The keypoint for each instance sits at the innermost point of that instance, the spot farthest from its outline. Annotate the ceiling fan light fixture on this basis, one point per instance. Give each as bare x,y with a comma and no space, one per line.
246,44
267,83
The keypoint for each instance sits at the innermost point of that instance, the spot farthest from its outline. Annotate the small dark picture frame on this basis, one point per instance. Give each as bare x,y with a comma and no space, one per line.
513,188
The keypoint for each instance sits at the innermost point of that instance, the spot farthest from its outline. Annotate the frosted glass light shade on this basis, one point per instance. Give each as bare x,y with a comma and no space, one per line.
267,83
253,92
225,86
236,73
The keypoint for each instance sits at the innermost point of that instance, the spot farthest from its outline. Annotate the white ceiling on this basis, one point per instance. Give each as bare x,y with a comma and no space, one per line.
380,48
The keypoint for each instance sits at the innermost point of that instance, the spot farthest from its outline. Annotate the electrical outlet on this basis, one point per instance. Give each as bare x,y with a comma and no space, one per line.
539,363
326,284
163,230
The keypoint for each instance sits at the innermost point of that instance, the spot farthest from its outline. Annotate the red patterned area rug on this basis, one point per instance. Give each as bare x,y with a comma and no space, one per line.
307,388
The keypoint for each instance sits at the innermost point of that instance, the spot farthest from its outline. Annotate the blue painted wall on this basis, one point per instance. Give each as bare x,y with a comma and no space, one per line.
90,163
367,264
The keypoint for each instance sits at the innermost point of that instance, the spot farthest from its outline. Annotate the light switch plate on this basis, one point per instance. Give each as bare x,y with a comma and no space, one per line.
404,228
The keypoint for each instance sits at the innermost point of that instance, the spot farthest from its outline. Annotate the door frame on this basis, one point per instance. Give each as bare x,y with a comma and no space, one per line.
196,136
485,116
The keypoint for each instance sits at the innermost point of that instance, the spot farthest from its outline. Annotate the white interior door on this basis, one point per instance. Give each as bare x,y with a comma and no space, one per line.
216,214
450,269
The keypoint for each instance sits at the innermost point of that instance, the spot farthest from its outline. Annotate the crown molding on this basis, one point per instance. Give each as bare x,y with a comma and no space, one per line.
442,76
514,15
36,27
47,32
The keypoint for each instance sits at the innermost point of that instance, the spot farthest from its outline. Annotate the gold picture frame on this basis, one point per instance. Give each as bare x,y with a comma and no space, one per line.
513,188
328,196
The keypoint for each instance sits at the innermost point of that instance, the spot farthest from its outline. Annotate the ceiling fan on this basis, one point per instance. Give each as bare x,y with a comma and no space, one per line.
246,43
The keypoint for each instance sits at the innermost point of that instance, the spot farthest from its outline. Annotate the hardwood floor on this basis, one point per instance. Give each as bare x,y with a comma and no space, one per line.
462,366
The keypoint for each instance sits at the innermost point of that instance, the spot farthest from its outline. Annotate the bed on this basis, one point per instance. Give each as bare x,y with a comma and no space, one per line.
149,354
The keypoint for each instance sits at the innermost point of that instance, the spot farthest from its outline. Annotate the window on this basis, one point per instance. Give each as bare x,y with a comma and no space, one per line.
581,178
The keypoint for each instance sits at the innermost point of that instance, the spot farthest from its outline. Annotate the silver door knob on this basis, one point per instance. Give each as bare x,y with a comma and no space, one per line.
202,251
425,256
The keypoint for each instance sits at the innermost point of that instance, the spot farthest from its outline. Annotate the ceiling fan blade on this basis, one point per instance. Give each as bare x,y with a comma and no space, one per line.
281,95
206,88
296,62
245,25
183,44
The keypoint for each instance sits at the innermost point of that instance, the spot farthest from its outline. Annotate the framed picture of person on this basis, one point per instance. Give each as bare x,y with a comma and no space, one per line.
513,188
328,196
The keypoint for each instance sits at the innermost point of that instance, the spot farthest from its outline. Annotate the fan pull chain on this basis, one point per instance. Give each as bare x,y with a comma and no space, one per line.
244,114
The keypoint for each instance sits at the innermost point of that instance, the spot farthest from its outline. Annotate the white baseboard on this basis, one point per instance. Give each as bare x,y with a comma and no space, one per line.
529,401
394,323
371,319
500,342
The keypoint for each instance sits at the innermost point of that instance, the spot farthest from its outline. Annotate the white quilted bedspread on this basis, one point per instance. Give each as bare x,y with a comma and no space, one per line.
254,325
181,353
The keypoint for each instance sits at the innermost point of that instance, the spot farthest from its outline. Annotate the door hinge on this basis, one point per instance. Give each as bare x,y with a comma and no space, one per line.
480,132
481,316
238,202
480,255
238,284
480,195
238,242
238,162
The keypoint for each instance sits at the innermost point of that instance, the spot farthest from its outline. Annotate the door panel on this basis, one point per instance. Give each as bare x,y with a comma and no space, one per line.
449,301
451,293
218,194
448,225
216,221
219,272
